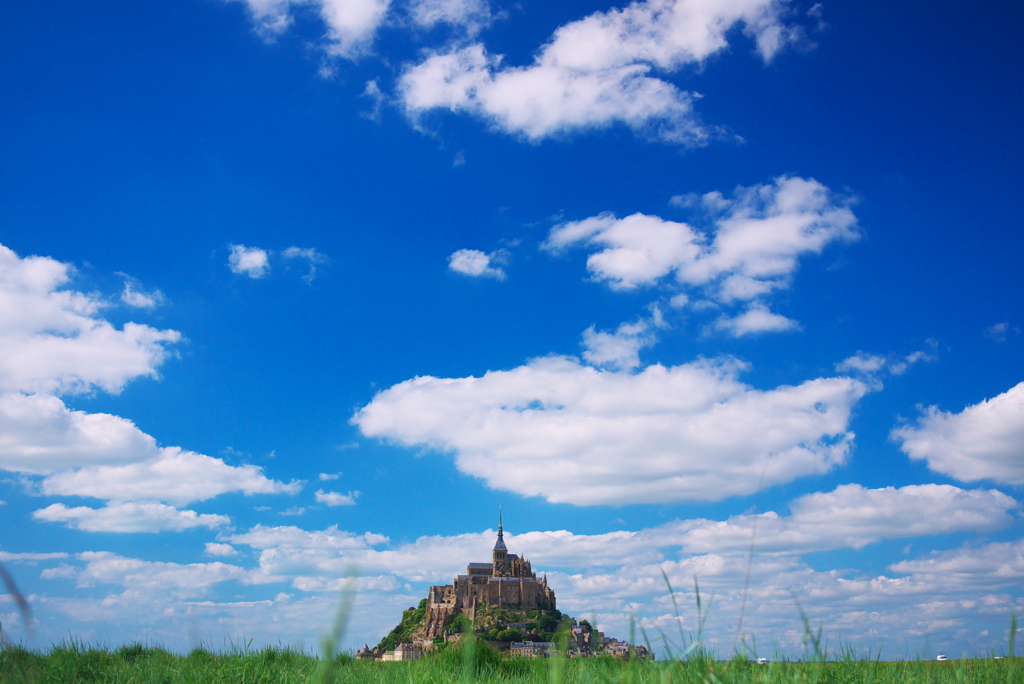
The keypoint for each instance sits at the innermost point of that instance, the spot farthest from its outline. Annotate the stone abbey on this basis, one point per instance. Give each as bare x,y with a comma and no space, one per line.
508,581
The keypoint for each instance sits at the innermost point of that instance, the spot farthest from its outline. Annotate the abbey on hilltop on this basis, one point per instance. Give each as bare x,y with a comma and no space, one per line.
503,604
508,581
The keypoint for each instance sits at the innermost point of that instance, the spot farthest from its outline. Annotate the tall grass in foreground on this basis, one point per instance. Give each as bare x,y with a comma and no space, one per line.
137,664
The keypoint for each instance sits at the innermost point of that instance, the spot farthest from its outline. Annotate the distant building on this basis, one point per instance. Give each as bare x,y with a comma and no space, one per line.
402,652
508,581
532,649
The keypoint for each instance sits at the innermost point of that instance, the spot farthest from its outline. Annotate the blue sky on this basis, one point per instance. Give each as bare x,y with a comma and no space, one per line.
287,285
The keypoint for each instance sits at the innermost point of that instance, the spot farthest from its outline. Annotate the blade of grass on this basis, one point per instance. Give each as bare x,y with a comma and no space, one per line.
333,638
1013,639
19,599
750,556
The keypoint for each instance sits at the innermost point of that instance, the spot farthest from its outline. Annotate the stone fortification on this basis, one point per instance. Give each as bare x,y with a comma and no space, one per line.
507,582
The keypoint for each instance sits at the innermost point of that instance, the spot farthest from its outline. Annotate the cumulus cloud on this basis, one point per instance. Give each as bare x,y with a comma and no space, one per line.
175,475
976,567
473,262
470,15
251,261
131,516
597,71
984,441
134,296
53,339
751,248
215,549
618,350
756,319
61,571
692,432
176,579
40,435
108,457
852,516
333,499
351,24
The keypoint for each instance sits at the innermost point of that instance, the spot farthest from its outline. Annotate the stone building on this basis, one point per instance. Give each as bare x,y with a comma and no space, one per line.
508,581
402,652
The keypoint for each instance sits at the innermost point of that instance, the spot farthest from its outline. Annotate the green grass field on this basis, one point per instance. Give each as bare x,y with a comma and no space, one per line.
137,664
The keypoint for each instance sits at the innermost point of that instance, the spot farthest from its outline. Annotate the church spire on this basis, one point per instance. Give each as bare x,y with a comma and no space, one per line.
500,544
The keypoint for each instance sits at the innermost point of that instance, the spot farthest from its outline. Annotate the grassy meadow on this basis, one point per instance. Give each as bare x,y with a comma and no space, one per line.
137,664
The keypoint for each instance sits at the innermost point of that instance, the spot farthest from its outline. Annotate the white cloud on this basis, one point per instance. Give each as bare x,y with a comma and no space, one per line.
107,457
175,475
999,331
263,537
61,571
325,477
40,435
7,556
215,549
473,262
472,15
175,579
873,364
351,24
687,433
309,254
133,295
974,567
619,350
984,441
756,319
251,261
596,71
333,499
752,249
129,516
852,516
53,341
848,517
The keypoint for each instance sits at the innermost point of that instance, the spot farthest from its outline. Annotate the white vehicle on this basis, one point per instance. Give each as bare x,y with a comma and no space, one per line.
762,661
941,657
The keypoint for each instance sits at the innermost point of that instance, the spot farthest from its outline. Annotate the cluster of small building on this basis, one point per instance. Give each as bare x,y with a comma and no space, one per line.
524,649
610,647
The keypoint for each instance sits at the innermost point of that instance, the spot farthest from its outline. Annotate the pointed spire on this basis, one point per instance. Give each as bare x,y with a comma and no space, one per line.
500,544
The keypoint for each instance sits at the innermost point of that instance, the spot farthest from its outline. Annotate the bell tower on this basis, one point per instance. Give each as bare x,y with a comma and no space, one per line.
499,557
